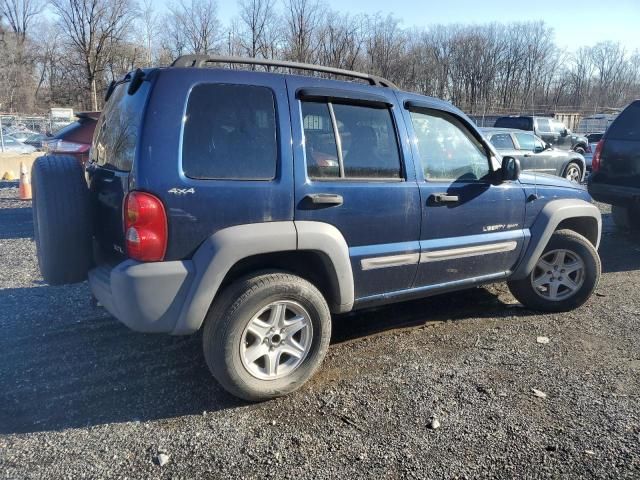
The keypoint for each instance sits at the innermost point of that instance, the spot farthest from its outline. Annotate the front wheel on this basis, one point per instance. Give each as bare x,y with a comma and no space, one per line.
573,172
581,150
564,277
266,335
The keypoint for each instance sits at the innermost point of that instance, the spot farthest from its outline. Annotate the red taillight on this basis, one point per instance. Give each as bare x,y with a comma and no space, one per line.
145,227
595,161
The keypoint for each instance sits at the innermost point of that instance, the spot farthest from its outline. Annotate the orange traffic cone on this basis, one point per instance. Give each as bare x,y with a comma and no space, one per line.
25,183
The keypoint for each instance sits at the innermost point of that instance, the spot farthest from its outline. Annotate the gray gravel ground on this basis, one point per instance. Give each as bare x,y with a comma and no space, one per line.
81,396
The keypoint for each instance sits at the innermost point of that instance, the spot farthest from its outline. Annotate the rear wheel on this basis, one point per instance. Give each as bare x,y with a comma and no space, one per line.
266,335
580,149
61,219
573,172
564,277
626,217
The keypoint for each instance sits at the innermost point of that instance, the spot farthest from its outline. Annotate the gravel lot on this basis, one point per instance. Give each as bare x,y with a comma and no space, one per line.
81,396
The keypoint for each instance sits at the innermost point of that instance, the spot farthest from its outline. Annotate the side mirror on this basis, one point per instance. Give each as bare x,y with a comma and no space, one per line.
565,132
539,149
510,169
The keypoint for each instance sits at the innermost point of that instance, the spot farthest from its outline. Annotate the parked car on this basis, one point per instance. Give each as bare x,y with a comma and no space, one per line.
12,145
615,177
74,139
593,139
20,134
536,155
255,204
548,129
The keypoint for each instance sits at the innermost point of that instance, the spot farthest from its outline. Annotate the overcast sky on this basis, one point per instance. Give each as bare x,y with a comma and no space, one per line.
576,23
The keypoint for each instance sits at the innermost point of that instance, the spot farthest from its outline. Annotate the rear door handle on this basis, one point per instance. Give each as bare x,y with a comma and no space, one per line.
443,198
325,198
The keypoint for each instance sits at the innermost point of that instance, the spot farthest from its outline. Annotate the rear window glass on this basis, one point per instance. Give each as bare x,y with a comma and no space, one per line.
118,128
66,129
230,133
627,125
502,141
521,123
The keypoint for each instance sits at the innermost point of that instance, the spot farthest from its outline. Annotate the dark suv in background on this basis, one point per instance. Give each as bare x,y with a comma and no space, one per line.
615,177
548,129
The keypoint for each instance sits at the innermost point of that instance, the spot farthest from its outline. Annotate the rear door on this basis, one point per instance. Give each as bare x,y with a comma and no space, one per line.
353,171
472,229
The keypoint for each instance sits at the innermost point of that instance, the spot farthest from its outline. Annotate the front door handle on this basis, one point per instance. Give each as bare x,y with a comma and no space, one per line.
527,154
443,198
325,198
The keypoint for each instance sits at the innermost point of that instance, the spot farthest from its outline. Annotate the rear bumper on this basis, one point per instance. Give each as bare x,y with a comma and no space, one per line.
146,297
614,194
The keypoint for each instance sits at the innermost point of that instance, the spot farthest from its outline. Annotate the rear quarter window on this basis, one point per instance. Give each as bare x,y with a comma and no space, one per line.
114,145
230,133
627,125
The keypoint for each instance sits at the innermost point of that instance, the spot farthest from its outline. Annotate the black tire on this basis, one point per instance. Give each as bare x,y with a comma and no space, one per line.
229,316
580,149
61,219
575,166
627,218
569,240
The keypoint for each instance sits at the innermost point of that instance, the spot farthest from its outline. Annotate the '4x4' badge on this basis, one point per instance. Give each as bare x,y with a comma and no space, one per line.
182,191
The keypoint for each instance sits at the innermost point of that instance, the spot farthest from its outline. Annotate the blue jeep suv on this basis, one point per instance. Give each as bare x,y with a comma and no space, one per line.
257,204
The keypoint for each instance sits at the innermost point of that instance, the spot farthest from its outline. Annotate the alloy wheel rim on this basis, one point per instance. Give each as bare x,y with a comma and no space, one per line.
276,340
573,174
558,275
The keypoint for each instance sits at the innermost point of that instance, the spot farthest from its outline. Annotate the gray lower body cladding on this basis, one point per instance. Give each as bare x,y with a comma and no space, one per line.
146,297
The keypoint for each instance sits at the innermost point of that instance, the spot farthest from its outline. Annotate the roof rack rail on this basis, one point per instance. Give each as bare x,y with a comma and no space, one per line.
199,61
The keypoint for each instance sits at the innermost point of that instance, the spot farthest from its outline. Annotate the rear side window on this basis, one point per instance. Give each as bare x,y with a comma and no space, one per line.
502,141
521,123
118,128
627,125
365,147
230,133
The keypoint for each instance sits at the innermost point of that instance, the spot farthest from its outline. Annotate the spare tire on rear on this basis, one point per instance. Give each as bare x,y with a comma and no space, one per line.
61,219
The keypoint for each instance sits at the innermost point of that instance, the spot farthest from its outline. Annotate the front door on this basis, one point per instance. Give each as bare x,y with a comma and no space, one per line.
472,229
353,172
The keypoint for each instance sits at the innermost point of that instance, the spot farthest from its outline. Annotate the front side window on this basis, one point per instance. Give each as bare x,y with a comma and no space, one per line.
543,125
525,140
448,151
502,141
230,133
538,144
366,146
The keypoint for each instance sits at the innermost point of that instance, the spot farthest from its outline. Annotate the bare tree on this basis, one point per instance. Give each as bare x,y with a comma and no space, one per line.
192,27
91,27
255,18
20,15
303,18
